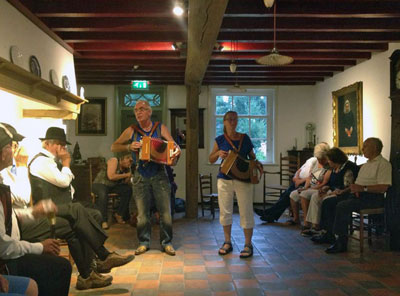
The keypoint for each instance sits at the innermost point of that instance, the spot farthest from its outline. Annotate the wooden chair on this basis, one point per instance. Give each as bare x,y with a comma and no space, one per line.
209,200
358,223
288,165
95,166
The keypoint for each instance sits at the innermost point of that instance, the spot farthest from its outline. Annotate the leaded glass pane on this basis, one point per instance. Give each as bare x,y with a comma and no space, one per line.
130,99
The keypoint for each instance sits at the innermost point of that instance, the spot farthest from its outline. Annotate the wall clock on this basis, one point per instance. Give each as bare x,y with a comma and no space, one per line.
65,83
395,74
34,66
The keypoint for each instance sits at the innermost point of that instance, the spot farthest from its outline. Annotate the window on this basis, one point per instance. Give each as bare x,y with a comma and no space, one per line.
255,109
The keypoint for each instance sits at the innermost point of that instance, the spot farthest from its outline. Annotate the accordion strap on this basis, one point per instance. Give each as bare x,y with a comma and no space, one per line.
140,131
233,146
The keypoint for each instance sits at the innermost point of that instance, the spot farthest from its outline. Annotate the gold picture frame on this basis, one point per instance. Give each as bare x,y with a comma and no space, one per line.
347,105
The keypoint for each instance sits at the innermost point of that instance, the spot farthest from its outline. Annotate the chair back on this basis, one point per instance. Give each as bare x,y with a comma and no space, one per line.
288,165
95,165
205,182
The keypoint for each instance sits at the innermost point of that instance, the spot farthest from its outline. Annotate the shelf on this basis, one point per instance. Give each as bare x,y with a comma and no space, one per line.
22,83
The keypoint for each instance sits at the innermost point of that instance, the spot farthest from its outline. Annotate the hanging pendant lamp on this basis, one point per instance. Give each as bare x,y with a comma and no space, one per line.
274,58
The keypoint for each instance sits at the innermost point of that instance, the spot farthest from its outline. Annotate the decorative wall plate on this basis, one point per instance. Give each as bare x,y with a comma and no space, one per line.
65,83
34,66
54,77
16,55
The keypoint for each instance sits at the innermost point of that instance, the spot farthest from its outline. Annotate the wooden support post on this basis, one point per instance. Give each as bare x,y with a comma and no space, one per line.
192,144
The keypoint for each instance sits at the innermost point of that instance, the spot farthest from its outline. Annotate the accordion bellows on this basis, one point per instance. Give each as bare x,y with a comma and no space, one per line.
240,169
157,150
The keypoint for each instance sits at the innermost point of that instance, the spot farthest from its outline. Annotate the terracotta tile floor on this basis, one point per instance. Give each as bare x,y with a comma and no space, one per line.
284,263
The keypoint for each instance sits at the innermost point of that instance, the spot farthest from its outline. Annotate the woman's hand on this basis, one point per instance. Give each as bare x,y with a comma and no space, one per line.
222,154
323,190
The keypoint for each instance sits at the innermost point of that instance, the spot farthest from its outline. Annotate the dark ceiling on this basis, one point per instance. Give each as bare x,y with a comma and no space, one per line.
323,36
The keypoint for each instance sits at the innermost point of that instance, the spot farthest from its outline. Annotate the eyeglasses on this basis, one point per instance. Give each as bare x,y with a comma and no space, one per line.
141,109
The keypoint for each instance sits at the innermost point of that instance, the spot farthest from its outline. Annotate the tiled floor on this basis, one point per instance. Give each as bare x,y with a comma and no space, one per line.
284,263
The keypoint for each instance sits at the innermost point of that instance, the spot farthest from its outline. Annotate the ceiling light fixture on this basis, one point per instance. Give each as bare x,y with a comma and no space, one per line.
274,58
178,8
233,66
269,3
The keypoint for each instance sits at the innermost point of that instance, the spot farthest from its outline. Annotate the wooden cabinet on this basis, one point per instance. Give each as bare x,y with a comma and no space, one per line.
81,182
302,154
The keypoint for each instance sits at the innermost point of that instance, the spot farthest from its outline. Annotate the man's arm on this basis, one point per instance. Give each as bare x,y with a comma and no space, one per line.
46,169
167,136
11,248
121,144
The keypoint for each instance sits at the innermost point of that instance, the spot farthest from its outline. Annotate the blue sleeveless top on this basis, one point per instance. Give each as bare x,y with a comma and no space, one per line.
146,168
223,144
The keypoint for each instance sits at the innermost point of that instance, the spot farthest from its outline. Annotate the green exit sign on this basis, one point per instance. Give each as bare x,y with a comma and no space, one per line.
140,84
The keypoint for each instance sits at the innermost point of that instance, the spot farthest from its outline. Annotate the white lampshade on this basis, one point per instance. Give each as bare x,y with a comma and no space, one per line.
269,3
233,67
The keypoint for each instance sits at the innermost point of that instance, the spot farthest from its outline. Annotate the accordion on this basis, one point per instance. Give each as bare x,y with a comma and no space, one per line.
157,150
236,167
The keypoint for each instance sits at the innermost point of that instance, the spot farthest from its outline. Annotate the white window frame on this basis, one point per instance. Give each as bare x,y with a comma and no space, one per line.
270,117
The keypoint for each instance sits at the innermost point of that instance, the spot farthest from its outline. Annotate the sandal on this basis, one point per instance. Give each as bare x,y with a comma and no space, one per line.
224,250
246,253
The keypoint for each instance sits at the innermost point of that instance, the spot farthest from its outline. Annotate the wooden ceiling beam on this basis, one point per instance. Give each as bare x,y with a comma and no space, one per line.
204,24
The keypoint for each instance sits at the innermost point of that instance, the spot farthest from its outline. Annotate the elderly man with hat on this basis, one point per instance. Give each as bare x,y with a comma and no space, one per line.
51,177
36,260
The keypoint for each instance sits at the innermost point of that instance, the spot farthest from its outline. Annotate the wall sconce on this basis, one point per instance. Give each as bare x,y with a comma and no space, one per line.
181,46
233,66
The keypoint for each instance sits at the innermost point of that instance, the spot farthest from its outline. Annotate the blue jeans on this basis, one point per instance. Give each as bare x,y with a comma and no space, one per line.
123,190
142,188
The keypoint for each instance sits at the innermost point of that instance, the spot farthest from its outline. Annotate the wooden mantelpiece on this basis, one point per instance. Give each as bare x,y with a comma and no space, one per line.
20,82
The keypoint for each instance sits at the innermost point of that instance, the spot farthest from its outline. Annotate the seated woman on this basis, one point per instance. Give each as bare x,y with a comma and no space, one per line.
114,178
344,172
317,171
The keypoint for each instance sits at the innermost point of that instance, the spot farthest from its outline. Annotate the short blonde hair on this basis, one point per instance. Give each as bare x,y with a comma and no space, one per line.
321,149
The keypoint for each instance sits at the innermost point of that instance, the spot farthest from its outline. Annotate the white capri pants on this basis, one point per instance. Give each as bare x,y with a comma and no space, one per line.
314,209
244,195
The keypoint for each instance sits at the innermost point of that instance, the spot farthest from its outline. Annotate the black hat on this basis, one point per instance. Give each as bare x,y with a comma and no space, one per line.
16,136
56,133
5,136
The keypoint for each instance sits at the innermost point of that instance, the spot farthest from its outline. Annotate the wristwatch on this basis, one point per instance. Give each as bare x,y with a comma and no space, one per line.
365,189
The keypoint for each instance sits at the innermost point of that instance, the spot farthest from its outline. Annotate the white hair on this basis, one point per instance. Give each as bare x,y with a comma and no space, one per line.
321,149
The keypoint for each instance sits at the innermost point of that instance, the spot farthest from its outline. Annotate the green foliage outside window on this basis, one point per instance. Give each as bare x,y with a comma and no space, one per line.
252,112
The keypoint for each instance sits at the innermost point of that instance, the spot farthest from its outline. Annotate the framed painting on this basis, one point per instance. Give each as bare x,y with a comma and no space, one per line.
348,118
178,127
92,118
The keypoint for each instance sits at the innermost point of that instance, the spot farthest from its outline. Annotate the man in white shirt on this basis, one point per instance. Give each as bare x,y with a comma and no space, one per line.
367,192
38,261
51,177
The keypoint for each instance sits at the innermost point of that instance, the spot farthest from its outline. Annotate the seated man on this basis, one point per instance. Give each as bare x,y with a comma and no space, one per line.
273,213
38,261
80,230
373,180
114,177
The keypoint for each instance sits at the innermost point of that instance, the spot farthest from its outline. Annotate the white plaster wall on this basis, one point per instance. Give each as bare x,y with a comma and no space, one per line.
374,74
16,29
